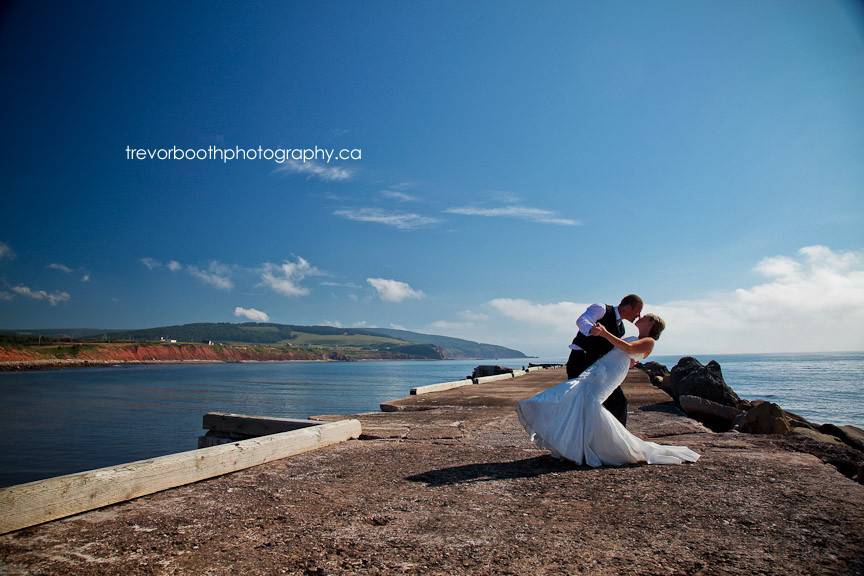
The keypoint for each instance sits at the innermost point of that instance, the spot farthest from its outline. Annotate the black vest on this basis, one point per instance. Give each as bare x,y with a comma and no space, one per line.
595,346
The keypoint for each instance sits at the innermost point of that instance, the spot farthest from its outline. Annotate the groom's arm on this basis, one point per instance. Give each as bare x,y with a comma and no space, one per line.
590,317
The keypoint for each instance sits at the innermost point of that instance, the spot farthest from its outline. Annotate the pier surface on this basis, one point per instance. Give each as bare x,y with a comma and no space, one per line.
449,484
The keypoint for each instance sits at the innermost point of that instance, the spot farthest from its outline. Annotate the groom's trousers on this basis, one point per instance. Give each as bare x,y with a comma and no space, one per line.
616,403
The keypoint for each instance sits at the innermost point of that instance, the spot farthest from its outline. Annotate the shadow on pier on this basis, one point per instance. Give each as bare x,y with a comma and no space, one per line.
486,471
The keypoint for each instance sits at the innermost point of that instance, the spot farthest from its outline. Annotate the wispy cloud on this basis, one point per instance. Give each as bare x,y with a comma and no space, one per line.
315,170
394,291
400,220
60,267
252,314
85,275
174,265
285,278
216,274
339,284
6,252
52,298
398,195
519,212
6,295
150,263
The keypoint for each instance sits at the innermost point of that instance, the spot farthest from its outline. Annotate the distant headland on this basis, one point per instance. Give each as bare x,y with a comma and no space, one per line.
231,342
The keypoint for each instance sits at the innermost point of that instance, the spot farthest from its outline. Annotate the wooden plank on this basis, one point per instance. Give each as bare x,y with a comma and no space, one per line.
506,376
36,502
517,373
441,386
253,425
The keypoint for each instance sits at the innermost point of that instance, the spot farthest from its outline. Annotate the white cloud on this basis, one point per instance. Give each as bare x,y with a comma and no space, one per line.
520,212
812,302
467,320
6,252
6,295
85,275
174,265
401,220
285,278
331,323
251,314
339,284
150,263
52,298
398,195
60,267
560,316
216,274
397,326
315,170
394,290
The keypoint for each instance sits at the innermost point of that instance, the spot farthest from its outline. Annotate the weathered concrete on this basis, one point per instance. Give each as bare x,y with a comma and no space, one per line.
456,488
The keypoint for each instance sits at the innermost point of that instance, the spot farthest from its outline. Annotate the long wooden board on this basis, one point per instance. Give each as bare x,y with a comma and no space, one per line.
253,425
36,502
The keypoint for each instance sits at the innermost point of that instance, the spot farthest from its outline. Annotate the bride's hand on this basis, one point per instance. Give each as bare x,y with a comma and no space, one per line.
598,330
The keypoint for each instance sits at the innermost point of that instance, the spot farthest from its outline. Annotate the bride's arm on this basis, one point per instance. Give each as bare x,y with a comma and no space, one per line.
641,346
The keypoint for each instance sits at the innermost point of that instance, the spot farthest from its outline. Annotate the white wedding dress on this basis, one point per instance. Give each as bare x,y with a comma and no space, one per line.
570,421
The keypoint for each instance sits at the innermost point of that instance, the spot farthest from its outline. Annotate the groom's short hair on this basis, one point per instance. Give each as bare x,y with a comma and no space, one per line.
631,300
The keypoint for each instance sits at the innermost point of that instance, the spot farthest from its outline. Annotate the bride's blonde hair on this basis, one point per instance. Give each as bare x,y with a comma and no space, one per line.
657,325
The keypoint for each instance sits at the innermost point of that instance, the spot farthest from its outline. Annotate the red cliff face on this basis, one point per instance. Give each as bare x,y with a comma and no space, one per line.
157,353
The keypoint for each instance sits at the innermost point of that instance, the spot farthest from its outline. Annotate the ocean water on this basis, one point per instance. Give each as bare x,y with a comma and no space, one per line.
63,421
820,387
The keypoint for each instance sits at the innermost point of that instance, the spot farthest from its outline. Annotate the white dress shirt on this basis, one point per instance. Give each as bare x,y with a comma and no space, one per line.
591,316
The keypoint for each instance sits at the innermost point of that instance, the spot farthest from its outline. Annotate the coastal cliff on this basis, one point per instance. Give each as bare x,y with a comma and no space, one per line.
448,483
92,354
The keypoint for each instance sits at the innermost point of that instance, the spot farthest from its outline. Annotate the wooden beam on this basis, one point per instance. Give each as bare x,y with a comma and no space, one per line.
506,376
441,386
517,373
36,502
253,425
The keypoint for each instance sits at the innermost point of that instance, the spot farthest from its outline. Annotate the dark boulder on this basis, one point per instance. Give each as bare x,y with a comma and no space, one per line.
690,378
851,435
717,417
658,375
764,418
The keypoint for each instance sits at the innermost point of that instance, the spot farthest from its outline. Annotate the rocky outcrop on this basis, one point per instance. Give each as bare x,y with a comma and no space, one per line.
690,378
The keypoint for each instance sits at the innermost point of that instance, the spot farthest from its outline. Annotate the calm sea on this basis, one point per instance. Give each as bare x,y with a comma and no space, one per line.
63,421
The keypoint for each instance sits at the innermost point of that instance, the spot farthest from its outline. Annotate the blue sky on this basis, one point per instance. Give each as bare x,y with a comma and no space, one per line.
519,161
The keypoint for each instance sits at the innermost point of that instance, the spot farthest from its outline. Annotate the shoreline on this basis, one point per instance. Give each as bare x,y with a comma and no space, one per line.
60,364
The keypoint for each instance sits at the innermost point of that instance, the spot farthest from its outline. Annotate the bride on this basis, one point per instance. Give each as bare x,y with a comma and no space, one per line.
570,421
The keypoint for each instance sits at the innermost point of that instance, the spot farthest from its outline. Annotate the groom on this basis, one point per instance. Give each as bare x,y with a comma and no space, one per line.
586,349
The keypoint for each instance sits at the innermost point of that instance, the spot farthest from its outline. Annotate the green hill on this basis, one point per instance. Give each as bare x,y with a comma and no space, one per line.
296,336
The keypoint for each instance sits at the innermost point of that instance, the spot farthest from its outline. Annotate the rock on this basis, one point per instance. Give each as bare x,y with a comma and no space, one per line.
718,417
690,378
851,435
764,418
658,374
818,436
799,421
